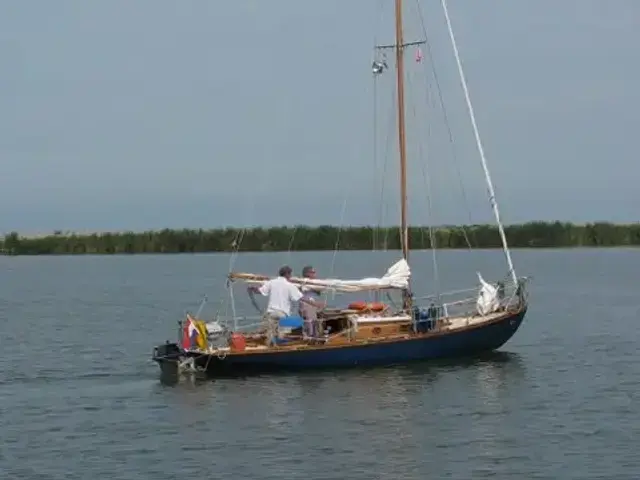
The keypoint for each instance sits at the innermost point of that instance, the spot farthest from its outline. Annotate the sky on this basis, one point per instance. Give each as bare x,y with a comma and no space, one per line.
149,114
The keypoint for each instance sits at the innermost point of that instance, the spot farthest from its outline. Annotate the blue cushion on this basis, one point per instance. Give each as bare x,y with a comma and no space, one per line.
292,321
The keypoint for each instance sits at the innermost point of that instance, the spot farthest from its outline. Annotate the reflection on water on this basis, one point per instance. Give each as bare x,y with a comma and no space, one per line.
295,401
496,374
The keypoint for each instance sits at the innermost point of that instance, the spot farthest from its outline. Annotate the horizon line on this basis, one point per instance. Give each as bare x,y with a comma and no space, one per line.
69,233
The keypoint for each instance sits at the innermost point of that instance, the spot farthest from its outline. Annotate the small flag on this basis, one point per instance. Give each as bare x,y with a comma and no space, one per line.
419,55
194,333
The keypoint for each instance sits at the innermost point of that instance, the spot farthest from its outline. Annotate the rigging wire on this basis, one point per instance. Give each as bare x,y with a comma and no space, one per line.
492,195
347,196
376,231
381,173
447,125
265,175
388,145
337,244
423,153
291,240
250,207
347,187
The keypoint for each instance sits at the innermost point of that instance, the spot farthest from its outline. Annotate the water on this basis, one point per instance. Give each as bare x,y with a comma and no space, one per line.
80,397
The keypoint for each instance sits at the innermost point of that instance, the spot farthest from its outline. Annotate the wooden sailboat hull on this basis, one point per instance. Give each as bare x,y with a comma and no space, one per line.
471,340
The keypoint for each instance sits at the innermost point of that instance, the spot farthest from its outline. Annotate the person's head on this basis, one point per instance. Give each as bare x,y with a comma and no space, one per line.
285,271
309,272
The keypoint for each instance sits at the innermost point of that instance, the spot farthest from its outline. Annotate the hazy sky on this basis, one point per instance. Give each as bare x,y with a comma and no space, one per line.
150,113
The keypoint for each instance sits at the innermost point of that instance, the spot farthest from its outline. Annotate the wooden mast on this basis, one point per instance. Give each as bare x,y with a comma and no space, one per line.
404,229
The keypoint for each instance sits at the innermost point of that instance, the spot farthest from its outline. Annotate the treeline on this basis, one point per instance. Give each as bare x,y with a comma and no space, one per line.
528,235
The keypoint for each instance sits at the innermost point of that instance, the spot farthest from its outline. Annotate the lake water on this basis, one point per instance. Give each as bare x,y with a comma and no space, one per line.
80,397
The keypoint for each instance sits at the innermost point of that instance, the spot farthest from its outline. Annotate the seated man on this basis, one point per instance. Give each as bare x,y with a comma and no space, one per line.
281,294
312,326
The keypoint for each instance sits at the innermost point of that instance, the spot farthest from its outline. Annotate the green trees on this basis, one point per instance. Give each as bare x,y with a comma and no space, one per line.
11,244
533,234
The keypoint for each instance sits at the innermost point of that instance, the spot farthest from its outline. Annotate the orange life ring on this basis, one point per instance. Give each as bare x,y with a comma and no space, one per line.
373,306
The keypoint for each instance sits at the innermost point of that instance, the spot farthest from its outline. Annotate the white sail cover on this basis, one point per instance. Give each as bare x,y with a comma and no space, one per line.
397,277
487,298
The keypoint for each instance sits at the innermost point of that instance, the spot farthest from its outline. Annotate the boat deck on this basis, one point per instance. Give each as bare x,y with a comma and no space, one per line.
446,325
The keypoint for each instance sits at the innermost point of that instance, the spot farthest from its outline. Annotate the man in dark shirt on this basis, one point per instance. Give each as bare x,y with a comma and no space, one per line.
309,312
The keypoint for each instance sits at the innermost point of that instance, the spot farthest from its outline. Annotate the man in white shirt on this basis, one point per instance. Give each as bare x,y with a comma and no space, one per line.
281,294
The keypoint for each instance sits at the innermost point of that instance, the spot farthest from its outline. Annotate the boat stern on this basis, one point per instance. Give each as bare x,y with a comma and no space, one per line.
168,356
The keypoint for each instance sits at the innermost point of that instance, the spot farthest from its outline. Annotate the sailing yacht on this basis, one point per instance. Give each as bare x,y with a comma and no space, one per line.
365,333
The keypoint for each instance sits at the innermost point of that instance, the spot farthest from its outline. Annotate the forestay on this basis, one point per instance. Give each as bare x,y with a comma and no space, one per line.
396,277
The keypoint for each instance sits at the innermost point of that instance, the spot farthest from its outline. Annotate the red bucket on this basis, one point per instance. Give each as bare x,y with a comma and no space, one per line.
237,342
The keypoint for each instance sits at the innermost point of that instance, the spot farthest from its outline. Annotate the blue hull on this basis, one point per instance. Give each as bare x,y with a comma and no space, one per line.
470,341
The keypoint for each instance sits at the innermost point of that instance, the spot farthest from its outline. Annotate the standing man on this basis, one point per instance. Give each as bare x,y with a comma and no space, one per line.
281,294
307,310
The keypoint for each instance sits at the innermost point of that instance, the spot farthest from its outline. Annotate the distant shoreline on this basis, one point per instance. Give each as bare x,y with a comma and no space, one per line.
305,238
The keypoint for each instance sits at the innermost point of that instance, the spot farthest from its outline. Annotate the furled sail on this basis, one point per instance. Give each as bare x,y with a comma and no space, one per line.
396,277
488,301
